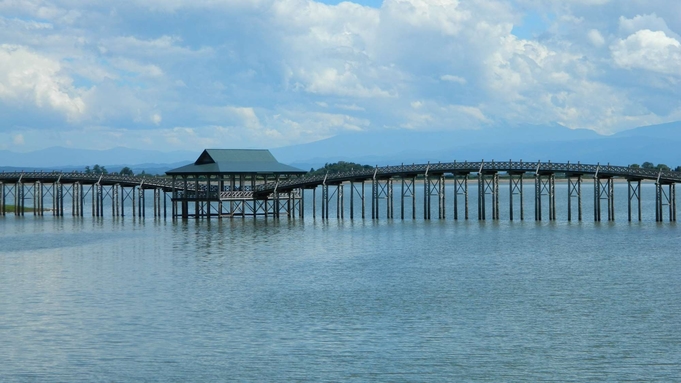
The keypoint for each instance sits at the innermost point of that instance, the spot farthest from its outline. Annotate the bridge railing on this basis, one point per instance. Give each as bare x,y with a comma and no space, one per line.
364,174
606,170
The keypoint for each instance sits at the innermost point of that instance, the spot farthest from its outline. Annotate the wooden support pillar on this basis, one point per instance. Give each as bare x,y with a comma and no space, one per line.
426,196
352,200
19,199
611,199
115,201
515,182
552,196
481,197
488,185
597,200
634,193
301,209
100,200
672,202
197,208
665,198
254,200
441,197
460,189
604,190
314,202
408,190
390,199
374,193
93,199
495,196
2,199
37,198
34,197
74,199
545,184
142,204
339,201
185,202
363,200
133,198
325,201
575,191
173,203
60,192
123,201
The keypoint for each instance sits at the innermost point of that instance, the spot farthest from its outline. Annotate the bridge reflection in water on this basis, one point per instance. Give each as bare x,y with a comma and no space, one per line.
52,193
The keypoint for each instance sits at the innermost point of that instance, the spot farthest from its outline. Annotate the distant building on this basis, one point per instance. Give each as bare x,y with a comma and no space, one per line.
221,183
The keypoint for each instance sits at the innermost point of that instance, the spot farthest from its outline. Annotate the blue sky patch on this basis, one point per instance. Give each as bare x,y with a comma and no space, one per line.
533,25
370,3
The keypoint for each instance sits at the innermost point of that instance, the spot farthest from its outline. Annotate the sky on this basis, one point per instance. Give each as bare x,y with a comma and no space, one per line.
186,75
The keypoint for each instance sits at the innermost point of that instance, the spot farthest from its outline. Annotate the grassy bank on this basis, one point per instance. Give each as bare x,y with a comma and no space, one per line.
10,209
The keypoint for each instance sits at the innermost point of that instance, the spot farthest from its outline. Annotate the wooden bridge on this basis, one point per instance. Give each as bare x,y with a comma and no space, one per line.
278,196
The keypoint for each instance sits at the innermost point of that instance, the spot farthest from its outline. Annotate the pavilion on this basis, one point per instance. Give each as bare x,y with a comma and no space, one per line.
221,183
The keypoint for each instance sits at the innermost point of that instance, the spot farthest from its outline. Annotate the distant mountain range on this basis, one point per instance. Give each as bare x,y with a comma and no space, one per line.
67,159
657,144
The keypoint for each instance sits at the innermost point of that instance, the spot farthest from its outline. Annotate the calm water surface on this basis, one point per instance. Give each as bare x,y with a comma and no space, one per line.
389,301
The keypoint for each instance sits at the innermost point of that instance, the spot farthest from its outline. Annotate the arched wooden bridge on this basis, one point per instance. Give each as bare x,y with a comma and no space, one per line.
271,198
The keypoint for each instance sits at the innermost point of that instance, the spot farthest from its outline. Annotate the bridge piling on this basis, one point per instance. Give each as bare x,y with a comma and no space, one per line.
352,199
488,184
460,188
141,213
604,190
545,184
325,202
391,202
314,203
515,185
634,192
74,200
60,199
665,198
34,197
374,198
426,196
408,190
18,197
363,200
441,197
574,190
2,199
339,201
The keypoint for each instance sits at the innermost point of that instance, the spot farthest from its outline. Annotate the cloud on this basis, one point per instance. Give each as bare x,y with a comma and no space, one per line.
645,22
28,78
649,50
596,38
452,78
275,72
18,139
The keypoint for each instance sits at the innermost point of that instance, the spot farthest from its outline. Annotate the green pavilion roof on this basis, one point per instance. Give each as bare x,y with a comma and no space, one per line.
236,161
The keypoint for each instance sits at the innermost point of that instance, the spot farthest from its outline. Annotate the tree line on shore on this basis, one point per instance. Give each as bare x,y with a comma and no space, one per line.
650,165
342,166
339,167
101,170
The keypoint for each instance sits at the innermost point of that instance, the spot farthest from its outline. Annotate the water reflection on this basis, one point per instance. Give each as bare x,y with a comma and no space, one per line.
338,300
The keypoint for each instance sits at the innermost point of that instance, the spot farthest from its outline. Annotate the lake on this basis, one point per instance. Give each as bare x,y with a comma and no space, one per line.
111,299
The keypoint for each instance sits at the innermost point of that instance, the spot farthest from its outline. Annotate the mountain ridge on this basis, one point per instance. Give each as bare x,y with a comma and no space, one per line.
655,143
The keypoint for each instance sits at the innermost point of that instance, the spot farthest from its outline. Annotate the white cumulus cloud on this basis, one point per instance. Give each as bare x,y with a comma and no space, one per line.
27,77
649,50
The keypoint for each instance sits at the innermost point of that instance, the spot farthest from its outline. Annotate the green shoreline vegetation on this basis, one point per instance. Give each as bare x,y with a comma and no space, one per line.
27,209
